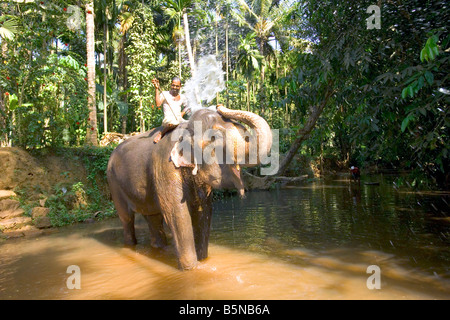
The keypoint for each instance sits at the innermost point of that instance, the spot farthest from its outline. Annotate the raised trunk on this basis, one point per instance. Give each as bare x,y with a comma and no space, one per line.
261,131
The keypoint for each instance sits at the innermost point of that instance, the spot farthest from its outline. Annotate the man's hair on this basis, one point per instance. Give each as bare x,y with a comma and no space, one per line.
176,79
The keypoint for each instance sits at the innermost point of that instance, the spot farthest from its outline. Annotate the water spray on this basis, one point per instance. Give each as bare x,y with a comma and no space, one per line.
205,83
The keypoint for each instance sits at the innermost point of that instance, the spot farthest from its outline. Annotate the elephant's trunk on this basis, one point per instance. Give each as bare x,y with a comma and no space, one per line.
261,130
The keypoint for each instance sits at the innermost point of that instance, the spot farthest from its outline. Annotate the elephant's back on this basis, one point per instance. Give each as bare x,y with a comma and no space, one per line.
132,154
127,172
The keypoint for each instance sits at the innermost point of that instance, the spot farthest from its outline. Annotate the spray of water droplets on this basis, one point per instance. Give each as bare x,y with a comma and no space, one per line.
207,81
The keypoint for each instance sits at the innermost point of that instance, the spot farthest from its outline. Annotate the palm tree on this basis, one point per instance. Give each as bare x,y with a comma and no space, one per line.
126,19
107,15
91,134
176,9
249,60
263,18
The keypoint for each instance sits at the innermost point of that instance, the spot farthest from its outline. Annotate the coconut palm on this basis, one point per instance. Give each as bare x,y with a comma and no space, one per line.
107,14
249,60
91,133
175,10
263,18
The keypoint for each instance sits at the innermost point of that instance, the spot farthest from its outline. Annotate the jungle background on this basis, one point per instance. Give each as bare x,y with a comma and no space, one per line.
343,85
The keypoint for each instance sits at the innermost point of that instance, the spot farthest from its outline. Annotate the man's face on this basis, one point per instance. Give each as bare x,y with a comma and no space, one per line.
175,86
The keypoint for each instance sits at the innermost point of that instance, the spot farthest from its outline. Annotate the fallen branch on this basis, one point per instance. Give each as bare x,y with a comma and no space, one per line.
252,182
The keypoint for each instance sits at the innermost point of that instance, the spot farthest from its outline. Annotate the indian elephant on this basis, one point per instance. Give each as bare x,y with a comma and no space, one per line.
167,182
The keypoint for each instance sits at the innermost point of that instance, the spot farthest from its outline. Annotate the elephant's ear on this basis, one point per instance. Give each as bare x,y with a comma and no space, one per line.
181,159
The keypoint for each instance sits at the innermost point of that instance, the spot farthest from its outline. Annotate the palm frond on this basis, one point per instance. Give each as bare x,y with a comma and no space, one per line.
9,26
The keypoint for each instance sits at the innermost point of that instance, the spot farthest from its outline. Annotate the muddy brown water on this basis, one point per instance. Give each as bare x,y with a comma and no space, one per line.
314,241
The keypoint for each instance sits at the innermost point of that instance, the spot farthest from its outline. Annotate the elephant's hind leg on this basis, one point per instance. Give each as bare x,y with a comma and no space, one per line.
156,227
126,216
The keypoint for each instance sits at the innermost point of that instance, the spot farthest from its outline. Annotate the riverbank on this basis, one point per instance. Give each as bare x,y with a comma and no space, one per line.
48,188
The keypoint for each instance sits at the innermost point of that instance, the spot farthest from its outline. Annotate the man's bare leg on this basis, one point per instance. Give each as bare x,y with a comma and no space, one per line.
163,132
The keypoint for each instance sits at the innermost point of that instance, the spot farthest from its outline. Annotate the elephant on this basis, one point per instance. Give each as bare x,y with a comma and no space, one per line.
172,181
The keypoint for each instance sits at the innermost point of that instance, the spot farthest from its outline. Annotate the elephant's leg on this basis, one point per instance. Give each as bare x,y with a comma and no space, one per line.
201,222
179,221
126,216
129,235
157,235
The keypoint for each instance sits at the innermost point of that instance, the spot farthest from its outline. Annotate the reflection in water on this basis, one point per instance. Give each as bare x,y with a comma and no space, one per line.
307,242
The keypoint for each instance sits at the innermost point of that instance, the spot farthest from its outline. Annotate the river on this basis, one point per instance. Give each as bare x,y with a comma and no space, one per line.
328,239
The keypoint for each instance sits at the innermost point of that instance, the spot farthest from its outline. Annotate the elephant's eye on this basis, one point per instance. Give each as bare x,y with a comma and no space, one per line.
213,138
180,139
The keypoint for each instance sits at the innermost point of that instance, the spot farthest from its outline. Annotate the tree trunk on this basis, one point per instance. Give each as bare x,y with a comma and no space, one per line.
123,76
248,95
303,133
262,98
141,116
217,46
3,113
105,76
188,43
91,134
226,62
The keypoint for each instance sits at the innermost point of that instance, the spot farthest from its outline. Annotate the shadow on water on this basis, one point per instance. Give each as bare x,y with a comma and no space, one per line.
313,241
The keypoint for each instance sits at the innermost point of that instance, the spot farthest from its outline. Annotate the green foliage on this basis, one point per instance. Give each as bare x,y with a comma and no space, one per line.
78,202
381,94
389,107
141,51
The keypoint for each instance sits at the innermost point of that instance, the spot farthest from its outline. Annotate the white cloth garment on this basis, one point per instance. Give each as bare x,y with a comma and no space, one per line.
172,109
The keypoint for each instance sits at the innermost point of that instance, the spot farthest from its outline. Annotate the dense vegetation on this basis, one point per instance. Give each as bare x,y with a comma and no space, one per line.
341,85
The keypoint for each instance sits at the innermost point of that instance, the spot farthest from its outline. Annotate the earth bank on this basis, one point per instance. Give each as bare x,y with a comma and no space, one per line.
49,188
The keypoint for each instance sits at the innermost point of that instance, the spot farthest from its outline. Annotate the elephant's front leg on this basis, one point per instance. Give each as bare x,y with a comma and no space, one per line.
179,221
201,223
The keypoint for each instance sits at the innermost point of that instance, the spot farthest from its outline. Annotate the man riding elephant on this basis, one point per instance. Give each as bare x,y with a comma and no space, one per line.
172,102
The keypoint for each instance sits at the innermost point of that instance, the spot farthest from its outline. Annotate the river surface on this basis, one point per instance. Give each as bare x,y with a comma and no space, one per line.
312,241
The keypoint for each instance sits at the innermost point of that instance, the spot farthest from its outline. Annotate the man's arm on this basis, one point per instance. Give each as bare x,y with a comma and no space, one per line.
158,99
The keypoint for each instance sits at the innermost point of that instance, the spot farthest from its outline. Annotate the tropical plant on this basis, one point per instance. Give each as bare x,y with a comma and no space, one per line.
248,61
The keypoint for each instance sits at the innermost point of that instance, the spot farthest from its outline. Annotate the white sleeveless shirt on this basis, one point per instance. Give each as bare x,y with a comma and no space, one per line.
172,108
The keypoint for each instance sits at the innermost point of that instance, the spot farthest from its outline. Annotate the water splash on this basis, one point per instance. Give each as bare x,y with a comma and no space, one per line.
207,81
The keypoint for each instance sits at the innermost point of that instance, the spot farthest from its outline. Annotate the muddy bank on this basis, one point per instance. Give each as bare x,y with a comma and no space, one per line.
51,187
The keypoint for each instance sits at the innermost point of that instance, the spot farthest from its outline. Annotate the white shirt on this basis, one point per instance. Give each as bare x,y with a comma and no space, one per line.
172,108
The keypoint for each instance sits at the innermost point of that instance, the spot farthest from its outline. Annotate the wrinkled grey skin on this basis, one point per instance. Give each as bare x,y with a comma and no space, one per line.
161,183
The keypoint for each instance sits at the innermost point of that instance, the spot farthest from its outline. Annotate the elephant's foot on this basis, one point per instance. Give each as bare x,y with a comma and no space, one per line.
187,262
202,254
190,266
129,240
158,243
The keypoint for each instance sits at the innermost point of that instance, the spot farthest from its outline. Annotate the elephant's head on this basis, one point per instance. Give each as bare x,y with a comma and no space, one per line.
215,145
